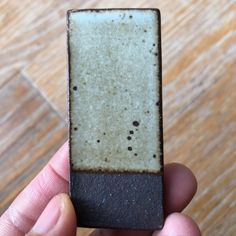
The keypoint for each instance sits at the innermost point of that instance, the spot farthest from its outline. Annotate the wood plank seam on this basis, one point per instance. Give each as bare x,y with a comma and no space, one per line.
40,92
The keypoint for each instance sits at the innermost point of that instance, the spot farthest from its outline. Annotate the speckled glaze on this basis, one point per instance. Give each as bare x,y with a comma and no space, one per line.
115,98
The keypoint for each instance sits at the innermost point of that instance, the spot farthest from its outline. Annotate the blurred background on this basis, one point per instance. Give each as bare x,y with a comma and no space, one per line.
199,95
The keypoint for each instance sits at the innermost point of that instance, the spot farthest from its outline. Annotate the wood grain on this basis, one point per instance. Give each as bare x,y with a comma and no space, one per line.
199,79
30,133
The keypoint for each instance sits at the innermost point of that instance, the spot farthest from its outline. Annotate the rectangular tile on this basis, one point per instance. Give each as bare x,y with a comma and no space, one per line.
116,117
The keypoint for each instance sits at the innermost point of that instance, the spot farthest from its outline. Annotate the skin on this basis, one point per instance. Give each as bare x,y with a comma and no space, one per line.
44,208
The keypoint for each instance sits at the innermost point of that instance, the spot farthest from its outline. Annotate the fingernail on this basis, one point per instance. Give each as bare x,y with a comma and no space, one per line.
49,217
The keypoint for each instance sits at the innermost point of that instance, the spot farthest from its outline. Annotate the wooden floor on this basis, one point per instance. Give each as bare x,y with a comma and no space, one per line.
199,78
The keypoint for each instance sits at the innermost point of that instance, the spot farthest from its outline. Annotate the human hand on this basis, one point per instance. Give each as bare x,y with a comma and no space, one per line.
43,208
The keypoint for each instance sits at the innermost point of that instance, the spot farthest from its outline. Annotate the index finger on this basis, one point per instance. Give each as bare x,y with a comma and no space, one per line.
27,207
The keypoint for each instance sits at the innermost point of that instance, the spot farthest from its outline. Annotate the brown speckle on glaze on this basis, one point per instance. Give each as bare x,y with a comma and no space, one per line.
135,123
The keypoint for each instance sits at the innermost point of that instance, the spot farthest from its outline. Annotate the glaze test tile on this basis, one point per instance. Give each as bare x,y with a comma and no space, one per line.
115,111
114,90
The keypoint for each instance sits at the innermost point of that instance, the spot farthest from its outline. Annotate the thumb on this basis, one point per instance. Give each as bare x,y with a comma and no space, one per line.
58,218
